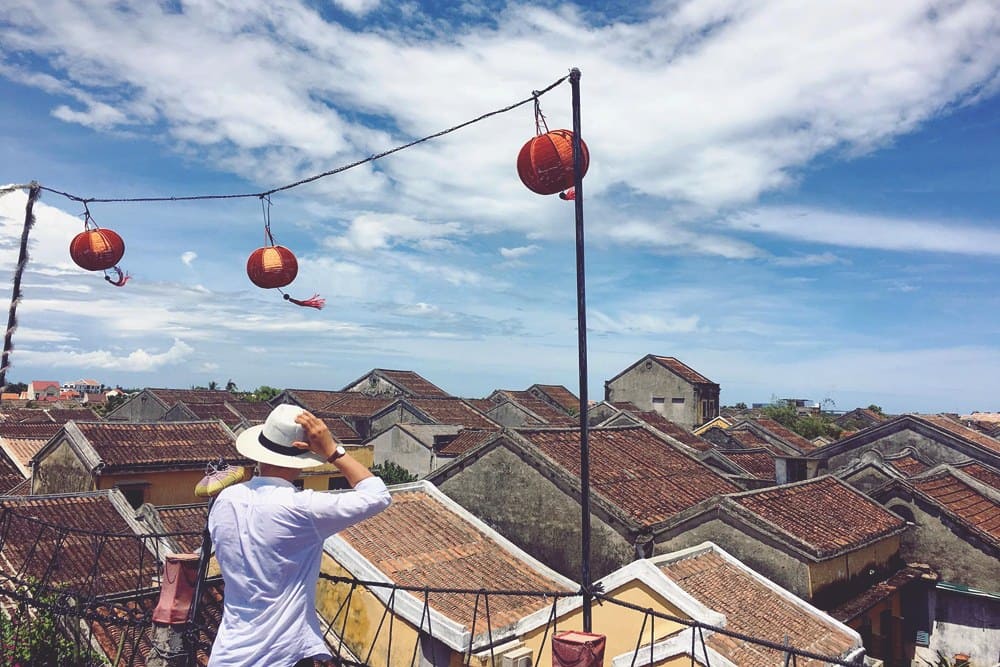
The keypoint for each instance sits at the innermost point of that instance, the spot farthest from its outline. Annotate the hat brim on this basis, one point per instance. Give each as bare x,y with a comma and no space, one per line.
248,444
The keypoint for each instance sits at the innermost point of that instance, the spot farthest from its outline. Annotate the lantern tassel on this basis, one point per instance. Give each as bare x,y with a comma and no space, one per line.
568,195
120,280
315,301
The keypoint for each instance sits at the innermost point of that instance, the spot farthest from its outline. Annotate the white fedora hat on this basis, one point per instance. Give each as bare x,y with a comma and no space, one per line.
274,441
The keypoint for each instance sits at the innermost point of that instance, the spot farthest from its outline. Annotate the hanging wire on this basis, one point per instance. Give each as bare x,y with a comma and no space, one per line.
309,179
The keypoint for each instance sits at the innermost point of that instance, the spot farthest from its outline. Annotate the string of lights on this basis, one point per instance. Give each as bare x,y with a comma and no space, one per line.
309,179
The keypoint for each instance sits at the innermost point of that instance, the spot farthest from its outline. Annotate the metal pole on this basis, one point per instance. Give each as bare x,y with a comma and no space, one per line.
15,294
581,328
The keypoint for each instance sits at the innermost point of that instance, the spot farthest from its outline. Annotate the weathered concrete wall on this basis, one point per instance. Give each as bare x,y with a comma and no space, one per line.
508,414
650,380
61,472
774,564
965,624
848,568
955,559
926,449
140,408
372,385
866,479
529,510
398,415
403,449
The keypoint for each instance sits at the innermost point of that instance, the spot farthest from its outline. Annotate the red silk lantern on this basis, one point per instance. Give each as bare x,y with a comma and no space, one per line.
545,163
272,266
97,249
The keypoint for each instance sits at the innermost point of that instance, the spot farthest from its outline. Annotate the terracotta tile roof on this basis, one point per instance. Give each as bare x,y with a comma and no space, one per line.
251,410
10,474
8,415
569,401
646,477
907,464
190,396
413,383
80,526
682,369
187,519
353,404
22,450
751,440
823,515
675,431
452,411
467,439
791,437
484,405
983,473
317,399
419,541
63,415
971,507
883,590
969,434
132,644
123,446
625,405
341,430
34,430
758,462
754,608
214,411
550,415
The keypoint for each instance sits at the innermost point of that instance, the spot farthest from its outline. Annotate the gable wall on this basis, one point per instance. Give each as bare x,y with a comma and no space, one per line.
769,561
508,414
955,559
641,384
373,385
61,471
140,408
827,578
398,415
403,449
528,509
926,448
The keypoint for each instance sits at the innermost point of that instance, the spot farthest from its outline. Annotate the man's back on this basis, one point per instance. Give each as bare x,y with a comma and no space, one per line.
268,538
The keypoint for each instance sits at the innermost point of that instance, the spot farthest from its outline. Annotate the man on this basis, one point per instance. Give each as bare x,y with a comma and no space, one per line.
268,539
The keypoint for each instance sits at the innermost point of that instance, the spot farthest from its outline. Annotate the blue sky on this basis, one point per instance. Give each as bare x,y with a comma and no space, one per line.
795,199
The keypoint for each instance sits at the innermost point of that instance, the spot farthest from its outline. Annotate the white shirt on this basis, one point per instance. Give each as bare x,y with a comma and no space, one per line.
268,538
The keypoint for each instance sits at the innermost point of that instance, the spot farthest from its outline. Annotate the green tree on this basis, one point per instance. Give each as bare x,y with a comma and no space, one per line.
740,406
263,393
877,409
230,385
36,638
213,385
393,473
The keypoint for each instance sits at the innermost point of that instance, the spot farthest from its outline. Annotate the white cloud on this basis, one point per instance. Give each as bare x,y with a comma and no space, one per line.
357,7
373,231
862,231
136,361
189,257
640,323
518,253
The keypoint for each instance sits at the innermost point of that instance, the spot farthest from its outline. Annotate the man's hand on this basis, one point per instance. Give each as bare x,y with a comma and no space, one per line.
319,440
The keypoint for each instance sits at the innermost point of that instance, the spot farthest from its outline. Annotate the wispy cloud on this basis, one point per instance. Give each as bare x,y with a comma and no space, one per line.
864,231
189,257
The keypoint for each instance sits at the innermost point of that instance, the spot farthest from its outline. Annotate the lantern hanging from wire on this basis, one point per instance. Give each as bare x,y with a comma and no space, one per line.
99,249
545,163
273,266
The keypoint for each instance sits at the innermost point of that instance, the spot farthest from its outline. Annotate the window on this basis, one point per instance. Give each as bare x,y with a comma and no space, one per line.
135,494
337,483
677,401
658,400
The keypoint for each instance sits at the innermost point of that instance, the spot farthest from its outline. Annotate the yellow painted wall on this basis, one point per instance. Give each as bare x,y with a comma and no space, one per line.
851,564
318,478
165,488
620,625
